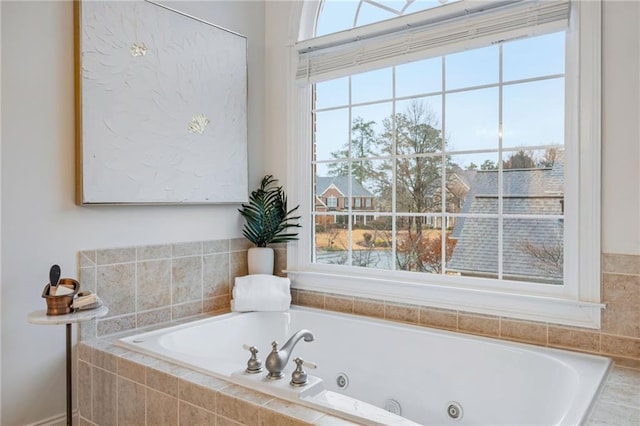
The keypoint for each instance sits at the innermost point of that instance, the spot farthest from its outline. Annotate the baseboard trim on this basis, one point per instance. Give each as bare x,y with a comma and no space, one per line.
57,420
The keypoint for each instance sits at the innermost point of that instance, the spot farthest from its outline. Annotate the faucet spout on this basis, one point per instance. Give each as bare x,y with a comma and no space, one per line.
278,358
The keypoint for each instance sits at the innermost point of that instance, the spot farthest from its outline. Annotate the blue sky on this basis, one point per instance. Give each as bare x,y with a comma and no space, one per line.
533,112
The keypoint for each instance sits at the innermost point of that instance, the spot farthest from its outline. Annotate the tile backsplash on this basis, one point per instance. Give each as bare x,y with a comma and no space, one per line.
149,285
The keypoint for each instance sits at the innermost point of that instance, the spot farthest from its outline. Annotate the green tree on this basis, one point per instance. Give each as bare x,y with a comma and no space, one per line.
363,145
488,165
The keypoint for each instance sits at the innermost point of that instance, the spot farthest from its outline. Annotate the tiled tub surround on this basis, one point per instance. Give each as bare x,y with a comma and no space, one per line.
149,285
619,336
120,387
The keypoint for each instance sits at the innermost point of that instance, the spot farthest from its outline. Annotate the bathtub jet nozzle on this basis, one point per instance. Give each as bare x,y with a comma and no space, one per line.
278,358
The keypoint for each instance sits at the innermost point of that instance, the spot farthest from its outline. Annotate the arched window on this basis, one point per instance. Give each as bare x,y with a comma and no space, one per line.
473,126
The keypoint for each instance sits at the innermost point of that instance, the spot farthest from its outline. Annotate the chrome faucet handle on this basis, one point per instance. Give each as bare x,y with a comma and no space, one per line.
299,376
254,365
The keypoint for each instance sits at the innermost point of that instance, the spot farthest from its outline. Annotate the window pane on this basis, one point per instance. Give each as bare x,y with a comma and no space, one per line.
534,57
371,246
371,86
366,127
369,14
419,77
466,178
472,68
533,113
332,93
372,184
533,182
533,250
417,127
331,239
419,184
421,117
331,134
476,246
335,15
419,244
471,120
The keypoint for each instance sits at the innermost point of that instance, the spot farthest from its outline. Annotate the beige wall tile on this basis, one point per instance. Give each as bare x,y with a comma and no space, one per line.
191,415
574,338
115,284
131,403
621,263
131,370
404,313
311,299
237,265
191,248
187,279
156,316
368,307
220,303
216,275
163,381
155,252
523,331
622,346
223,421
439,318
273,418
115,255
186,309
116,325
84,389
294,296
87,258
162,409
88,279
486,325
236,409
215,246
605,414
239,244
292,410
280,261
339,303
88,330
199,395
621,294
103,397
153,284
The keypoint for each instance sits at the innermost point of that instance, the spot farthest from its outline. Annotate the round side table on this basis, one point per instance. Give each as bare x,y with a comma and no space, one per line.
40,317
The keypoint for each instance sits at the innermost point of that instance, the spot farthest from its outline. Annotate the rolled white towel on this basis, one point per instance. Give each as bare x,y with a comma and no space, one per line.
261,292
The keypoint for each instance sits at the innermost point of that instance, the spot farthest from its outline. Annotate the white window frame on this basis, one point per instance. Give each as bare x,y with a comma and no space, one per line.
332,202
576,303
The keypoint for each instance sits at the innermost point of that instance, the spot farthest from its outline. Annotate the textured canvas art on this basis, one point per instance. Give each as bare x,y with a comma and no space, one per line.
162,106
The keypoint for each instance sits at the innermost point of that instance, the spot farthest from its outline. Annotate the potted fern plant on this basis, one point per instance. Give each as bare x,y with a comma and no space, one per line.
267,221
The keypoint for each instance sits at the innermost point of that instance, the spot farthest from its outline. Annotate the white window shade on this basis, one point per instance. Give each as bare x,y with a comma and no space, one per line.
447,29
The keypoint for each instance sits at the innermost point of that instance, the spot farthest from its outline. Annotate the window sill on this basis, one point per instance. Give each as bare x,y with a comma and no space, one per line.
550,309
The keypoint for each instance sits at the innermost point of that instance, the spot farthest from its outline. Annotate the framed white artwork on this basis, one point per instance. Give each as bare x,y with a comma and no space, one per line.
161,106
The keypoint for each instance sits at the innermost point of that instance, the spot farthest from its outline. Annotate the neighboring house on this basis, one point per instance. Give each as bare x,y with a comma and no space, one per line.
332,195
532,247
456,189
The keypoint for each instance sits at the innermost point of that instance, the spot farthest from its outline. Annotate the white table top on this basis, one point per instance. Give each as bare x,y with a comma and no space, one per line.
41,317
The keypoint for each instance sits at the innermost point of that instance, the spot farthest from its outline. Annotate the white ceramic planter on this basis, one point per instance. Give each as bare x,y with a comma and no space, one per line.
260,260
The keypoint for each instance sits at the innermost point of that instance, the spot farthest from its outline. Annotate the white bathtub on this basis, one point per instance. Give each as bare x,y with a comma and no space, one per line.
417,372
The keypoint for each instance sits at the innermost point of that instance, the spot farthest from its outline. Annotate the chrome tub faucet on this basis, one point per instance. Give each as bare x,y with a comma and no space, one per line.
278,358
